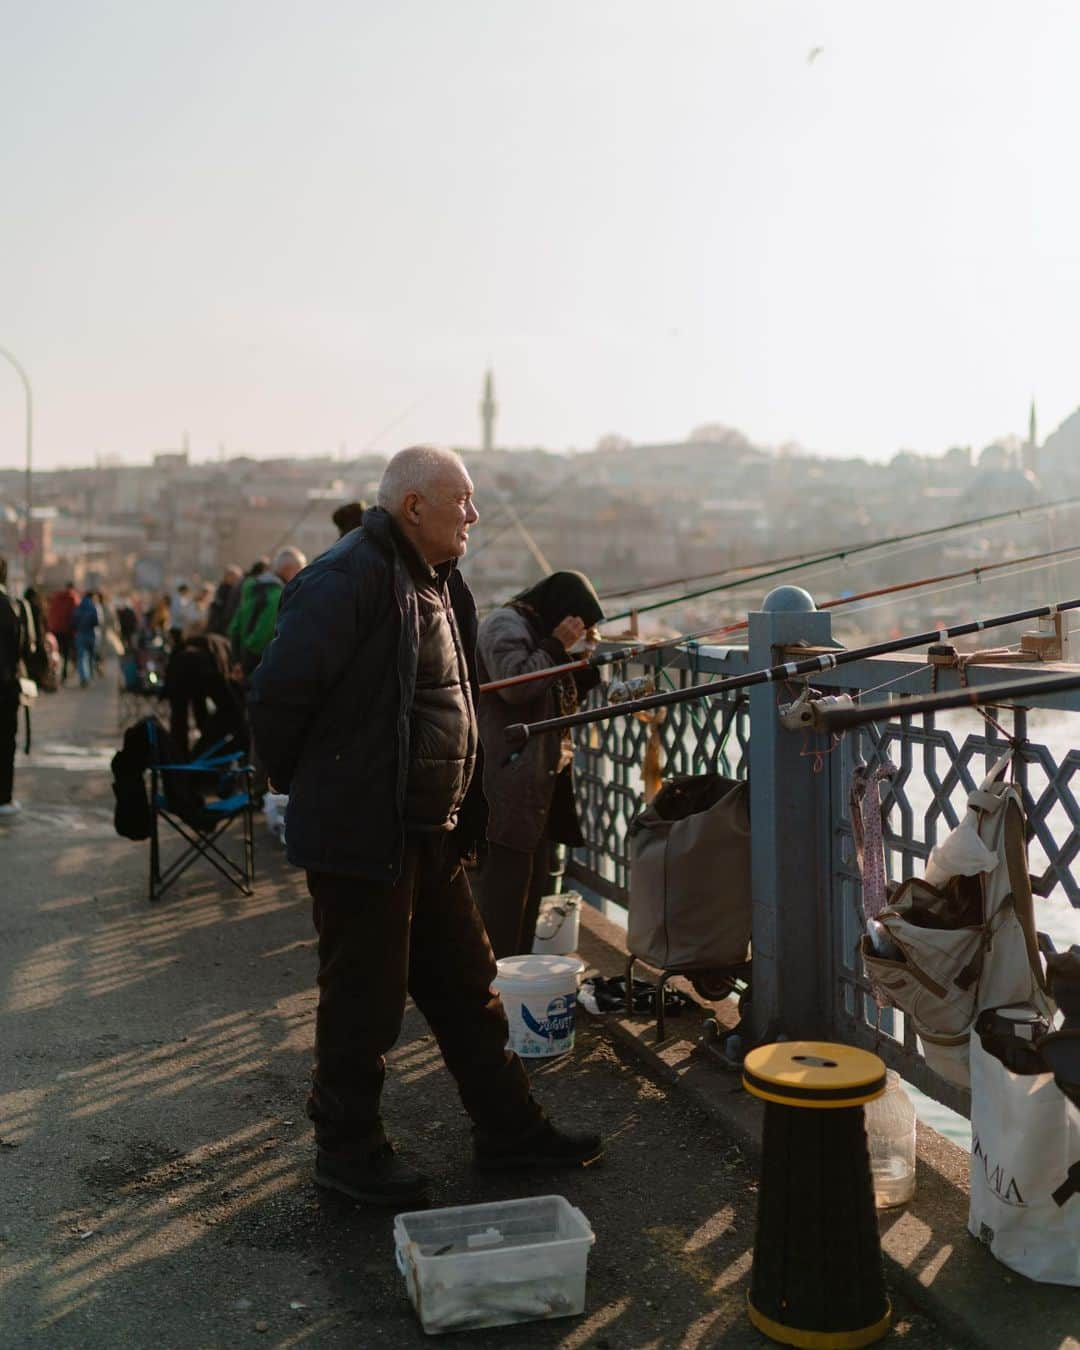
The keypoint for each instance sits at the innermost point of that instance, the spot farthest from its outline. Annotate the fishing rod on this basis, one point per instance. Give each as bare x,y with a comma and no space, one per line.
837,719
518,733
645,588
526,534
629,653
841,554
534,507
320,501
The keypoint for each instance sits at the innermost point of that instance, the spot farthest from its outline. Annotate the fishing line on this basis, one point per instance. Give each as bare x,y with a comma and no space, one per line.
885,684
973,580
841,555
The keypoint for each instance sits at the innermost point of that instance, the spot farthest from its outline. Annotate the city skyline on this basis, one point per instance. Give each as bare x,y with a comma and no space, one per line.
1024,446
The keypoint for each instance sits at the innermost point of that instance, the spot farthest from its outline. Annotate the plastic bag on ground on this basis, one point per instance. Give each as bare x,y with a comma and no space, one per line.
274,807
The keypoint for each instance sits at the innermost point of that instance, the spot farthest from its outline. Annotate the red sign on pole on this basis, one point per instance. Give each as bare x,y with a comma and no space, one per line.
26,544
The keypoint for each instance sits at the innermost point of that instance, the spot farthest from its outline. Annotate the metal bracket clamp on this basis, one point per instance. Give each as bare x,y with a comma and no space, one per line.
1049,642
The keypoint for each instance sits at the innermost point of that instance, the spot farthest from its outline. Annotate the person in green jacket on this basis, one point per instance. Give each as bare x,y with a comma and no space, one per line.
253,623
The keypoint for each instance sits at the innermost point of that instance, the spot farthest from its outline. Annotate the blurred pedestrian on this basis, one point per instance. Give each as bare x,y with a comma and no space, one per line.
38,665
348,517
86,621
13,651
257,568
530,794
253,623
159,617
60,619
127,621
226,598
183,611
199,683
107,634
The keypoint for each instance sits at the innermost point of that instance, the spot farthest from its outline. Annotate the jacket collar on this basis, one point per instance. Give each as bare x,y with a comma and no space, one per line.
380,527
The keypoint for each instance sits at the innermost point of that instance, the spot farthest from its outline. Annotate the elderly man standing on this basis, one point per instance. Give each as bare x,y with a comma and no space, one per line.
363,710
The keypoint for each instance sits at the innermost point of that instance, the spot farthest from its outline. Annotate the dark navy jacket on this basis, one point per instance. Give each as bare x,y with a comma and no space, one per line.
331,703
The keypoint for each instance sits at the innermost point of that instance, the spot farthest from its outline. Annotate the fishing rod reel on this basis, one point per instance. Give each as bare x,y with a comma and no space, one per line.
803,713
621,691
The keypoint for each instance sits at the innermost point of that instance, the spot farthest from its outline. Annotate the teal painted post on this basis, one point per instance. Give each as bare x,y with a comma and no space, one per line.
789,826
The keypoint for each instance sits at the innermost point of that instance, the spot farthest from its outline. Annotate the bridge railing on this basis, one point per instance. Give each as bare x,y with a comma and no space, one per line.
808,978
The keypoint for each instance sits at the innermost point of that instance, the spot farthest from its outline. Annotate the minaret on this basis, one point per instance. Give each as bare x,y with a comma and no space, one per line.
1031,446
488,409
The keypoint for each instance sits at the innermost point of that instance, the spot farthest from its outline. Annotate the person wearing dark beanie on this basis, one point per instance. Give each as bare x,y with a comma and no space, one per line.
530,795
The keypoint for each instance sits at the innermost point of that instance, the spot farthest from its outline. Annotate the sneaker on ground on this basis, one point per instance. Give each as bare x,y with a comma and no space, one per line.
542,1146
379,1179
10,808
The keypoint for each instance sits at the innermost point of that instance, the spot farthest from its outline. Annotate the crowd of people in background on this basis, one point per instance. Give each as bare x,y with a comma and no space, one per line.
194,646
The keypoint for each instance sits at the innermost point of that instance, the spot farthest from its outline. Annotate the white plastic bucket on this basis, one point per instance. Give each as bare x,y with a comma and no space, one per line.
558,925
539,994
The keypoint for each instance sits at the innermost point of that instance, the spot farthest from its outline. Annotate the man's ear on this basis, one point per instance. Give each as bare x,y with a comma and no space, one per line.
409,507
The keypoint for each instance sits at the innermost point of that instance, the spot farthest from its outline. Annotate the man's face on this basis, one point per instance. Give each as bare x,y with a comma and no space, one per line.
441,520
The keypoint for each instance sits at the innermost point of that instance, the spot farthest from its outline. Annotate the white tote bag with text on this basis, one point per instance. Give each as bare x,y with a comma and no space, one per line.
1025,1170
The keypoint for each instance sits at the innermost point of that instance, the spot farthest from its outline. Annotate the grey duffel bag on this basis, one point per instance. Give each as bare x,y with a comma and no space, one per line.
690,900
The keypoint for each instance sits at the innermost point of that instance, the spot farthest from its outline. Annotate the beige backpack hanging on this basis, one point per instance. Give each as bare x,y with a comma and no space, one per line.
964,939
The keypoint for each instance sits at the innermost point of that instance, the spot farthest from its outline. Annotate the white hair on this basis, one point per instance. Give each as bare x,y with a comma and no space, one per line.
416,469
287,556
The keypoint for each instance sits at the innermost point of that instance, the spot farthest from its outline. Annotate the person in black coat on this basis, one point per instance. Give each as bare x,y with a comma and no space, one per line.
14,648
199,683
362,709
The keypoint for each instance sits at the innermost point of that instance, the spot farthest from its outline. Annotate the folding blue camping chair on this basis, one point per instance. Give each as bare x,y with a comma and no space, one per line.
200,801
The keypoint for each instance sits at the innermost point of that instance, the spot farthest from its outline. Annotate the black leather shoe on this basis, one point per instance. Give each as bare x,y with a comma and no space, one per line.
542,1146
379,1179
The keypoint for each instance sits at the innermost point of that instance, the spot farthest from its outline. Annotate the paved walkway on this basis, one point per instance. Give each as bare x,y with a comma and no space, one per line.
155,1159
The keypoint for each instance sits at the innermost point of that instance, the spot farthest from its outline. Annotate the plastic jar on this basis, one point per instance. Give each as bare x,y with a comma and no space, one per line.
890,1133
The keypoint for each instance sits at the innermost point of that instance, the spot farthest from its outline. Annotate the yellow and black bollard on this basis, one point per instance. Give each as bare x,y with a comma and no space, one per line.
817,1279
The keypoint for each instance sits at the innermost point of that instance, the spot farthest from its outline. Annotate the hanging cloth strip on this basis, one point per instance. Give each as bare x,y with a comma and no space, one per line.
866,827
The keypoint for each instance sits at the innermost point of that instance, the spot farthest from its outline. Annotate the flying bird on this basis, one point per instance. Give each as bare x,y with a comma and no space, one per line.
813,55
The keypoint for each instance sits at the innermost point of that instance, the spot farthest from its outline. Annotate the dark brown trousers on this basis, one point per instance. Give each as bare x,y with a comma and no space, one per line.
378,943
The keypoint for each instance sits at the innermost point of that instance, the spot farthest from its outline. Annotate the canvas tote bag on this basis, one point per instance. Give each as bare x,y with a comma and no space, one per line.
690,899
970,942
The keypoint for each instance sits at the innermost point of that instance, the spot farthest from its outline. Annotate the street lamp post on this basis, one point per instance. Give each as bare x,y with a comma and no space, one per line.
26,544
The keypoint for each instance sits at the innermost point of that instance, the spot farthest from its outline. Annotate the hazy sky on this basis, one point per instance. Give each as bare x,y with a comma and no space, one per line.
284,226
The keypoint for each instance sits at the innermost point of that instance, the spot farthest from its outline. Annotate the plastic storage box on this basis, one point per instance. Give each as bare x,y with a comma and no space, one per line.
490,1265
